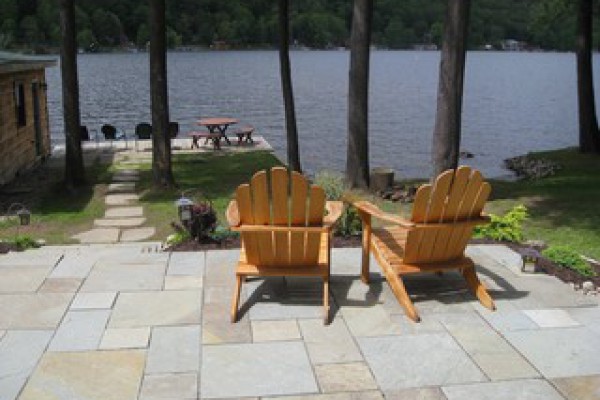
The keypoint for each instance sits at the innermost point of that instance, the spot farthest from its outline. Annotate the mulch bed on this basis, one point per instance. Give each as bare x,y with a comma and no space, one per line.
548,267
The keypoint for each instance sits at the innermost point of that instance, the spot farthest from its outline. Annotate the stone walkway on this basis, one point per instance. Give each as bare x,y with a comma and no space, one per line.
127,322
123,220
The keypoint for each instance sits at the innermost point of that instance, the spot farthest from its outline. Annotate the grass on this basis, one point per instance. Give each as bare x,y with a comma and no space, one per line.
57,214
564,209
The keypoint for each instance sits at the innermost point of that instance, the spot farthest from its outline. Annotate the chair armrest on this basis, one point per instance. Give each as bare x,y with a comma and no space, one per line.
371,209
334,212
232,214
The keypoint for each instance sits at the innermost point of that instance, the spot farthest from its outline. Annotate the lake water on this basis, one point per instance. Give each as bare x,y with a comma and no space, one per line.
513,102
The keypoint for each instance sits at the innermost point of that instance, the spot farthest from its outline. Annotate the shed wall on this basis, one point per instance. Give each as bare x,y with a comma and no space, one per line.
18,149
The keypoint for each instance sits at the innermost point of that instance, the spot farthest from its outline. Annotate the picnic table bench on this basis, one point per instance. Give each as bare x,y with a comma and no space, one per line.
214,137
244,134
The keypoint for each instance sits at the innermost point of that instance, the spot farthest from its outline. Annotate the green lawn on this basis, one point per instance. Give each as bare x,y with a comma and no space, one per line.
56,213
564,208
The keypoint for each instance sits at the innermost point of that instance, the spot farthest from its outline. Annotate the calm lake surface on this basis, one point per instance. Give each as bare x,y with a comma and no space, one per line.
513,102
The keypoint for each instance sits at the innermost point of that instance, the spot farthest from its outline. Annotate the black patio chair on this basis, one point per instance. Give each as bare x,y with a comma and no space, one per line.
173,129
143,131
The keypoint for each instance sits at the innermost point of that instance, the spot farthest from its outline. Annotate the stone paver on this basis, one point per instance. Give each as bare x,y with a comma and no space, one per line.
119,277
350,377
133,310
74,266
19,353
169,386
560,352
266,331
97,375
80,330
60,285
121,187
551,318
46,257
369,321
370,395
33,311
126,338
137,234
174,349
123,199
98,235
21,279
416,394
421,360
186,263
533,389
179,282
329,343
124,212
120,222
93,300
278,368
579,387
512,320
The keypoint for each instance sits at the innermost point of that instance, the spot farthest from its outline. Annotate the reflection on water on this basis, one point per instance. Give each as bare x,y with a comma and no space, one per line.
513,103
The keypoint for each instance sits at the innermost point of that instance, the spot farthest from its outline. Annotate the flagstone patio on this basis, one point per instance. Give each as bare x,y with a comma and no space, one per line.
125,321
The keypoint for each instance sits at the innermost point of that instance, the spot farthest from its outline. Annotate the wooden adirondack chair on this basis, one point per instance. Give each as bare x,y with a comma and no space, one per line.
435,237
284,230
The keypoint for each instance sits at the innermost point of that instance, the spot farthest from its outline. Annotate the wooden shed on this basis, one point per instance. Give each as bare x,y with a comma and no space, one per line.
24,125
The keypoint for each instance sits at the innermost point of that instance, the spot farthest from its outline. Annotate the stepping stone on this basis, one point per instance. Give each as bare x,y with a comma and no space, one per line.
124,212
123,187
137,234
126,176
98,235
121,199
119,222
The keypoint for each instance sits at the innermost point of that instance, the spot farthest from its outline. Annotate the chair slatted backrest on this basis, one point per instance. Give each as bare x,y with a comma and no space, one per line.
283,200
455,196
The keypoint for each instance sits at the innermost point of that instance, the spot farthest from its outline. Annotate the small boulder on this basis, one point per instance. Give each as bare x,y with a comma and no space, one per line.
587,286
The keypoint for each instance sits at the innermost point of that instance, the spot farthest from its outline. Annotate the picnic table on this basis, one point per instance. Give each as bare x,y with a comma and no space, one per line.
217,125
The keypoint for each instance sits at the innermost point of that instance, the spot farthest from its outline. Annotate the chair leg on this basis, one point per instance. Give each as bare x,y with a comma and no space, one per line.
402,296
477,287
236,297
326,300
366,247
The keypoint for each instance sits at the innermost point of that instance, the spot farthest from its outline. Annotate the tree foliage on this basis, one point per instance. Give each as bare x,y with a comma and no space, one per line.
548,24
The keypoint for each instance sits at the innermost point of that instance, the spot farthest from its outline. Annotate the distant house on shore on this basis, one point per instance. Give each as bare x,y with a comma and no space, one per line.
24,125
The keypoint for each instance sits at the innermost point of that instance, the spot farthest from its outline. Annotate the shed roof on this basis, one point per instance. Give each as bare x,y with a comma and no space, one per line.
14,62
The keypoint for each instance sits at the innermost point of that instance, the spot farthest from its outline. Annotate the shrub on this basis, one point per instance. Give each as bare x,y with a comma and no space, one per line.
24,242
336,189
568,258
506,227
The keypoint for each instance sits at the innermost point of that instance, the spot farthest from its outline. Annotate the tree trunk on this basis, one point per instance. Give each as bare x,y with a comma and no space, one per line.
589,137
161,141
293,149
357,158
446,134
74,167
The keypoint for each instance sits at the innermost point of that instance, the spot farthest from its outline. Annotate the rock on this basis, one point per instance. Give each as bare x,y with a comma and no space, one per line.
538,244
573,285
41,242
592,293
531,168
587,286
